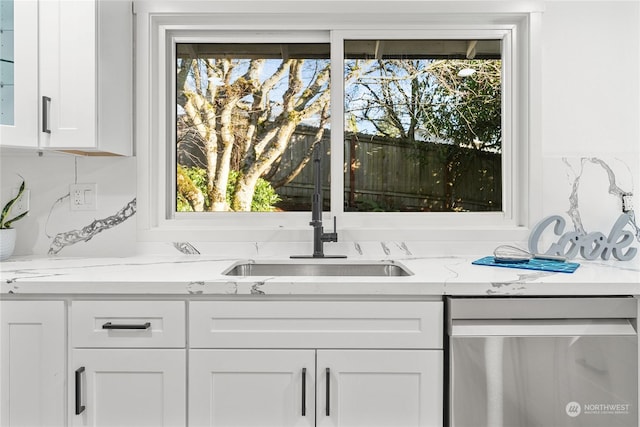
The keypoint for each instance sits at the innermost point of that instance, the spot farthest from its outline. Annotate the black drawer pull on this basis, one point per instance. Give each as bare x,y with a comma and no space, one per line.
304,392
110,325
46,107
79,406
328,397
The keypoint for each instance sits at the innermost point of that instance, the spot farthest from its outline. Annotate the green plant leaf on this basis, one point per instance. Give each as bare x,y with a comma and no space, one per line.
7,209
11,221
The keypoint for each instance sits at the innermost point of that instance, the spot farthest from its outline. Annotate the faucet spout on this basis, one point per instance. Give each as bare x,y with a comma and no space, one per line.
319,236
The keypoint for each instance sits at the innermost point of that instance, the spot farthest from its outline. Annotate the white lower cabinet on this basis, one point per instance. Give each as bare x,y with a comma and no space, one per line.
392,388
347,388
313,363
32,360
129,387
252,388
135,363
128,364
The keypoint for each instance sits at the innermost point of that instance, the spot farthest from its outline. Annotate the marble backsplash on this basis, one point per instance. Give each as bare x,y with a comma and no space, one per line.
51,227
587,191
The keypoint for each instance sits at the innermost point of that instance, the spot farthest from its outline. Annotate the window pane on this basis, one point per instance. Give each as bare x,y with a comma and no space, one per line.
423,125
248,117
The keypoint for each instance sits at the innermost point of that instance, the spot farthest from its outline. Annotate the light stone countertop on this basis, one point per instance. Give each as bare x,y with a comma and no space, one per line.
202,275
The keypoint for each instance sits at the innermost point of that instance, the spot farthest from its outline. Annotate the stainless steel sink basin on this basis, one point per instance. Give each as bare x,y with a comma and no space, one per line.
318,268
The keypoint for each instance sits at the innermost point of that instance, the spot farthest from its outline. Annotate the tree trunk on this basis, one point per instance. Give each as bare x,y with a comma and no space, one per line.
245,189
187,188
245,185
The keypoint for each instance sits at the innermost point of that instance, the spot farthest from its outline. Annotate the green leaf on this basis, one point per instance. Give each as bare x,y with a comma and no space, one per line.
7,209
11,221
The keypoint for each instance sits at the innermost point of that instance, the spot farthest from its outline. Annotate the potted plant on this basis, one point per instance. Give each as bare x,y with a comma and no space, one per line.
8,234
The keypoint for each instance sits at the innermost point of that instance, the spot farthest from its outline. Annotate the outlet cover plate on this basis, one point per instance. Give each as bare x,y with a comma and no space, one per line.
83,197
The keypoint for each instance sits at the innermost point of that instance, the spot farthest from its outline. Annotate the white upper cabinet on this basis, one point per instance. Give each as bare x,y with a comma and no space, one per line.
81,75
68,73
19,73
86,75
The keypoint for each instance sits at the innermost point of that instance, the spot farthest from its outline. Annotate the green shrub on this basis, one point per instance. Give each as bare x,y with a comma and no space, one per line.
264,196
196,177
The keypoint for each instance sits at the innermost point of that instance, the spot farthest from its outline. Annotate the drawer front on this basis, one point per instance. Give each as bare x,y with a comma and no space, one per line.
132,324
316,324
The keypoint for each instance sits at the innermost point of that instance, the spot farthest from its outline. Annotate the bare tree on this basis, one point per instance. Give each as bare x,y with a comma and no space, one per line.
426,100
244,116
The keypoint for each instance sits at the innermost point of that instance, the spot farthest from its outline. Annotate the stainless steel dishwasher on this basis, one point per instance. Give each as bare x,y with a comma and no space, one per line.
542,362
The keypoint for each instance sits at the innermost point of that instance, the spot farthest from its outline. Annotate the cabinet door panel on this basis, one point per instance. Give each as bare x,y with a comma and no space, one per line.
68,71
130,387
18,92
32,351
370,388
261,388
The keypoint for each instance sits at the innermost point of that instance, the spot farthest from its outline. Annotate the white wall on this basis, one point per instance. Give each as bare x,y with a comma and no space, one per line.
591,104
590,77
591,109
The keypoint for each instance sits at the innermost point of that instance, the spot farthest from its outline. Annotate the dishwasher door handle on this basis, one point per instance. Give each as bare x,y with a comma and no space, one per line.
540,327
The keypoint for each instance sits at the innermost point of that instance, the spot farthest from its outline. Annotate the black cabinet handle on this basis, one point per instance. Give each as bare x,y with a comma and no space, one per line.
328,374
110,325
304,392
79,406
46,106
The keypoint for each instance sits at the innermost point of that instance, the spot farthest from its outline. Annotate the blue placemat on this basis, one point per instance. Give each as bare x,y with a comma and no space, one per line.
532,264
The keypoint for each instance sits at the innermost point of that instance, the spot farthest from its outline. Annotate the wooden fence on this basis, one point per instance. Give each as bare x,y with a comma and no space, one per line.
383,175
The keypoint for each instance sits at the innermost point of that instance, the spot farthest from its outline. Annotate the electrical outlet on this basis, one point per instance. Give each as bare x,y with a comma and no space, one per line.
83,197
22,204
627,202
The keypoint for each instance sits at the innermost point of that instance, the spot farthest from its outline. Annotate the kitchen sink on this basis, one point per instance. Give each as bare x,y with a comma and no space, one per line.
318,268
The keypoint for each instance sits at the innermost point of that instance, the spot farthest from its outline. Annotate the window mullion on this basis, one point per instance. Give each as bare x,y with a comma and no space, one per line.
337,124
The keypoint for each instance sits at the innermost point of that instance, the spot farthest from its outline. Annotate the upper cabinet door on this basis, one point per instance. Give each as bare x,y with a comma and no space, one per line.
68,73
86,69
19,73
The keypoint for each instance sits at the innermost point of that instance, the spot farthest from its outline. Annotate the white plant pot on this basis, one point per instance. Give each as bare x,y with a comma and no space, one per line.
7,242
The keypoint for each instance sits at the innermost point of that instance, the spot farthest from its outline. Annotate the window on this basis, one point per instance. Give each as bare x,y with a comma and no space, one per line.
423,125
425,128
249,117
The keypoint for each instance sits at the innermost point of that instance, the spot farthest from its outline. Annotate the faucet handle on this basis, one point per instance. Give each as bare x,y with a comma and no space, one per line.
330,237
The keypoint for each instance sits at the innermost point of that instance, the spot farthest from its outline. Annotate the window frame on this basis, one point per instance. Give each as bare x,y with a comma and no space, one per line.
160,25
507,217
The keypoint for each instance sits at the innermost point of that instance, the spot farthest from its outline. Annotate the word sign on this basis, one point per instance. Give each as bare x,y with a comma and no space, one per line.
590,245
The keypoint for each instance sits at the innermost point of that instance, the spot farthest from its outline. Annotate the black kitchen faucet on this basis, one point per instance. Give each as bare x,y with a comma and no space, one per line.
319,236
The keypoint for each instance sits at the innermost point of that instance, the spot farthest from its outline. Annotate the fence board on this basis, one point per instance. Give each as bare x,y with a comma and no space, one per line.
402,177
